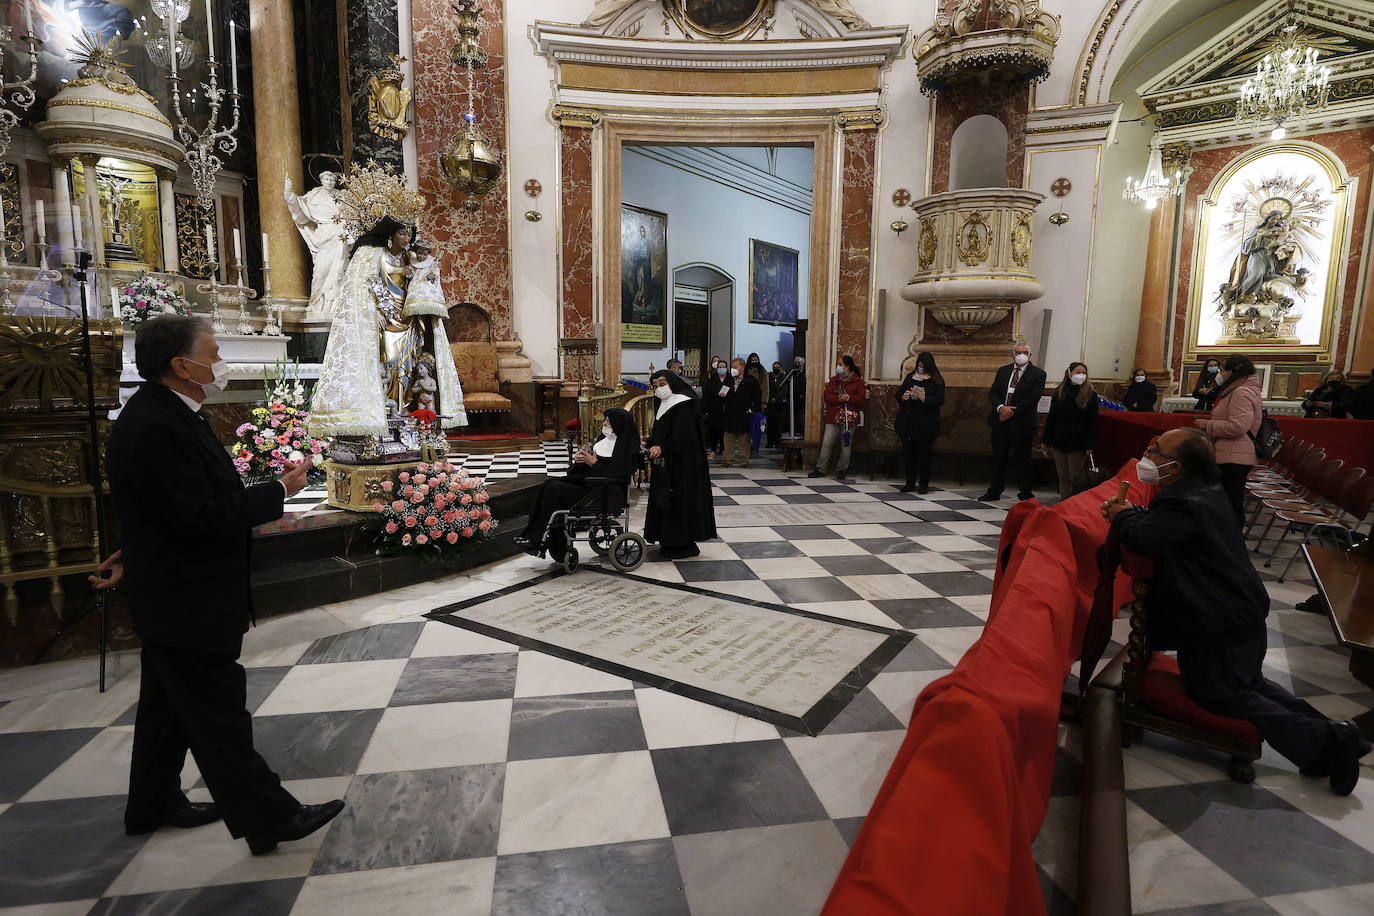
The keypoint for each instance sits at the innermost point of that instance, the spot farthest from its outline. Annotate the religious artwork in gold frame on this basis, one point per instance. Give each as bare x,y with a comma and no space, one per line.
720,18
9,192
191,242
773,290
1268,272
643,277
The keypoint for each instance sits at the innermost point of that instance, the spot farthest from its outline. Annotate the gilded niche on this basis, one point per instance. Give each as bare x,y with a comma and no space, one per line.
1021,240
926,244
973,241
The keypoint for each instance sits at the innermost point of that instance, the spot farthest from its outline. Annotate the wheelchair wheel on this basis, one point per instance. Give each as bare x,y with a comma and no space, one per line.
627,552
570,560
601,537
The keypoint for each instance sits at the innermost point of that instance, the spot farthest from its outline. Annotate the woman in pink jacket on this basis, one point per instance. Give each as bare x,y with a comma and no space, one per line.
1234,422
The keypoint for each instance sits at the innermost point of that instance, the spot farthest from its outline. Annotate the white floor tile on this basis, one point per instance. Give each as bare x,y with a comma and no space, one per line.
461,888
949,543
894,587
540,675
437,735
334,687
830,547
670,720
580,801
925,562
970,528
855,611
899,689
1168,873
846,770
786,568
86,707
438,639
1354,900
950,642
751,535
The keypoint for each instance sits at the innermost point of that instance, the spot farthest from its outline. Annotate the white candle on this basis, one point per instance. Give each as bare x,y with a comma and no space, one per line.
172,38
28,16
238,249
40,221
266,261
76,225
210,242
2,219
233,58
209,31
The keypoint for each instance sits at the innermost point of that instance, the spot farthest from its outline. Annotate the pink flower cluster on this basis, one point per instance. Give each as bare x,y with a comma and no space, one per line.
274,436
434,504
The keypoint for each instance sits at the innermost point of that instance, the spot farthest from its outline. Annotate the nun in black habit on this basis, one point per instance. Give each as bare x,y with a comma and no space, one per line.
614,454
680,509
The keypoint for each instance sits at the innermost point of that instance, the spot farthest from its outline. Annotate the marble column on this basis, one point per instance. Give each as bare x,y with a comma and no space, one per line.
62,211
1152,329
276,126
166,202
856,241
94,233
578,235
373,33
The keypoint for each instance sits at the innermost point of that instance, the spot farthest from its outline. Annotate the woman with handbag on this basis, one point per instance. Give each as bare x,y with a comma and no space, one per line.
919,399
1234,423
680,511
1071,427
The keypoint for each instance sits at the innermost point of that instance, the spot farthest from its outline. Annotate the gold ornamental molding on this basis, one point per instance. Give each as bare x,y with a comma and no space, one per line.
870,119
572,116
1087,70
973,241
744,27
926,245
1174,157
111,106
109,142
1021,240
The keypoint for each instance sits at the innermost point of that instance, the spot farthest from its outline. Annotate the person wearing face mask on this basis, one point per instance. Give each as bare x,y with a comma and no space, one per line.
1141,393
1234,423
740,398
1071,426
1207,602
1330,400
796,408
681,511
1014,396
845,391
1207,386
757,422
919,399
614,454
776,408
713,406
186,530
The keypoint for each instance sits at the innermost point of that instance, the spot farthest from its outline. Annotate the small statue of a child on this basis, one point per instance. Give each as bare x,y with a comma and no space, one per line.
424,295
424,390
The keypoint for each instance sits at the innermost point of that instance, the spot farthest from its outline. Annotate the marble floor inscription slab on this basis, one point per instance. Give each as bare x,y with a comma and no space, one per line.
767,661
809,514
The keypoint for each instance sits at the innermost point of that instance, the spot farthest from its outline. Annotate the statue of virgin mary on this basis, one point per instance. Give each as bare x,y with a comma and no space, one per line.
381,336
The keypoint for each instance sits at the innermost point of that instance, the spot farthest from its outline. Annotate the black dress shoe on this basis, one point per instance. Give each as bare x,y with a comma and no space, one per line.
839,475
1025,496
923,489
191,814
816,474
989,497
1343,758
906,489
304,822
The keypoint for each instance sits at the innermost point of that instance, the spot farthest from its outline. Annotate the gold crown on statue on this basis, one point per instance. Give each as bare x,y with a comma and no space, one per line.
372,193
393,73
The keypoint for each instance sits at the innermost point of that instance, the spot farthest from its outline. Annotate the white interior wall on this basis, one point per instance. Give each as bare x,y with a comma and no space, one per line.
712,224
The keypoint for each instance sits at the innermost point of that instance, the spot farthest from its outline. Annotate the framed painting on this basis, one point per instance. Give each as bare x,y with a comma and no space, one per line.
772,283
720,18
643,277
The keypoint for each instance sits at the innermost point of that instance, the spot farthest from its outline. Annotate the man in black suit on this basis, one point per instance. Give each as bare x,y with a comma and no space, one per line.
186,528
1014,395
741,399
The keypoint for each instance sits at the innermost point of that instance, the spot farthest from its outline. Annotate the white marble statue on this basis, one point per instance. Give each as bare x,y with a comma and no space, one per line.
605,11
316,216
841,10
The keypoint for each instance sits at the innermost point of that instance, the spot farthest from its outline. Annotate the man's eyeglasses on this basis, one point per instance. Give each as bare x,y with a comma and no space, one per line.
1151,450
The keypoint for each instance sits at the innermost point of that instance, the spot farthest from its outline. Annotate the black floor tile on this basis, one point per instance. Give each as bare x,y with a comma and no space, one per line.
391,640
728,786
1252,907
805,532
891,545
940,515
1259,839
857,565
451,680
864,713
714,571
806,591
71,849
28,757
760,550
315,744
414,817
916,656
622,879
916,613
955,583
849,828
567,726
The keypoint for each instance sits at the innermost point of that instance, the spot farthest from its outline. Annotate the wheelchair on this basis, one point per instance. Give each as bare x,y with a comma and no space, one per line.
601,518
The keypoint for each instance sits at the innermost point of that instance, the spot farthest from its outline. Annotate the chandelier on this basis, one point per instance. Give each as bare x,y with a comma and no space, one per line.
468,163
1287,86
1154,185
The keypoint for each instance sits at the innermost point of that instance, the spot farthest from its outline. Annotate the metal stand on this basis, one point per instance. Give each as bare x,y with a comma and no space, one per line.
241,296
271,326
217,325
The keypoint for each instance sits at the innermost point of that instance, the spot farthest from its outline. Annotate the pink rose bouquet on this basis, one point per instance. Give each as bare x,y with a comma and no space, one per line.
426,520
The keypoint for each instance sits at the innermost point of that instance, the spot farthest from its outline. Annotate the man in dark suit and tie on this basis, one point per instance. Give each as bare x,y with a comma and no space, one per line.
1014,396
186,528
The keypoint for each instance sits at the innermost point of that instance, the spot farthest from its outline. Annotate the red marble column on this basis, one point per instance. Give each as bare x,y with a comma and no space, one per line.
856,244
474,249
575,245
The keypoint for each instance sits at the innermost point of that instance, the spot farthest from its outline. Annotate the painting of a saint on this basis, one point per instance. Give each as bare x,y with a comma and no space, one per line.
643,277
773,291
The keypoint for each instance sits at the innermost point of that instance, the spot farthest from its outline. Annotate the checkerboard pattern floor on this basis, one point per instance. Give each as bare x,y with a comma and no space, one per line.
550,459
485,779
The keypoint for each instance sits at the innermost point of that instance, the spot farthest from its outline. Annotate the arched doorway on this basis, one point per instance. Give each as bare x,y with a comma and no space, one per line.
703,316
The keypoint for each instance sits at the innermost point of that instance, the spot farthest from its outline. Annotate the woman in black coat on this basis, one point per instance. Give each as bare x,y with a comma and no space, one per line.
1141,393
919,399
1071,427
1208,386
681,511
614,454
712,409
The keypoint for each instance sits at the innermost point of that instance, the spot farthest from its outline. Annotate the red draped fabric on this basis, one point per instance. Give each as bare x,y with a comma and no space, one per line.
1122,435
951,828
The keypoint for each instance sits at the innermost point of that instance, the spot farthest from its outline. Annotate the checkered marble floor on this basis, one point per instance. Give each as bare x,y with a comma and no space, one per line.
550,459
483,778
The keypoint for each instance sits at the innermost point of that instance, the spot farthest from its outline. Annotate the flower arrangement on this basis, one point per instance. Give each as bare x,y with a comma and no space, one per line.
145,296
276,434
435,509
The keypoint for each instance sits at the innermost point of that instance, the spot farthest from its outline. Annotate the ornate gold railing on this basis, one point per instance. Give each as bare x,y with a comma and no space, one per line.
39,555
